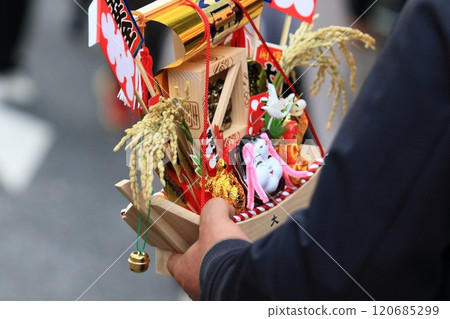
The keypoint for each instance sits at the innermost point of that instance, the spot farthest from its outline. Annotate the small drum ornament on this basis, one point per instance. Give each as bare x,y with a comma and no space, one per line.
139,261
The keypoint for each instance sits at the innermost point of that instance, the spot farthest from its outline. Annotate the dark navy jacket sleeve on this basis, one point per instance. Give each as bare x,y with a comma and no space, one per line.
378,227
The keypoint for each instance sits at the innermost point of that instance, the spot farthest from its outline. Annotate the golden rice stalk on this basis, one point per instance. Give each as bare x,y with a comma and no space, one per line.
151,140
309,48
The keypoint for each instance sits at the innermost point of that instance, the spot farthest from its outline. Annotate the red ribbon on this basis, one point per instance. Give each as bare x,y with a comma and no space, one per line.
203,136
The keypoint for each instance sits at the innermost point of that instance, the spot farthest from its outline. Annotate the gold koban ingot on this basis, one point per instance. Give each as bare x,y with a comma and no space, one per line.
139,261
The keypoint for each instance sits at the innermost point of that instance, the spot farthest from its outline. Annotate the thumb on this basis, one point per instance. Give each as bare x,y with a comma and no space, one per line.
216,223
216,210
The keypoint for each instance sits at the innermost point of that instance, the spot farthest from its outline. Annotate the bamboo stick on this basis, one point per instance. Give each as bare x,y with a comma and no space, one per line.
145,77
285,31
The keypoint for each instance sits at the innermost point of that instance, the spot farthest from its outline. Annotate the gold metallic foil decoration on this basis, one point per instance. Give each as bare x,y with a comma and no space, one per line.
224,17
139,261
225,185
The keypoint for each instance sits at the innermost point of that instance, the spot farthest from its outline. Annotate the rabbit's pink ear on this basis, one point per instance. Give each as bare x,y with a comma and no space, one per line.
272,150
248,153
287,171
265,137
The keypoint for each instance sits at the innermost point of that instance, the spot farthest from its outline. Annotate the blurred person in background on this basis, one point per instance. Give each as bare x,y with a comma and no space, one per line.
15,85
375,16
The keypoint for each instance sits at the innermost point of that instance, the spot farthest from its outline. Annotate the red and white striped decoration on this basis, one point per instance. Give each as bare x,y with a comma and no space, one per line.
265,207
285,193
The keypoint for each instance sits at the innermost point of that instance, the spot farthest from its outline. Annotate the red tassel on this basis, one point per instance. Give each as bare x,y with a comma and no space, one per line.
238,38
147,63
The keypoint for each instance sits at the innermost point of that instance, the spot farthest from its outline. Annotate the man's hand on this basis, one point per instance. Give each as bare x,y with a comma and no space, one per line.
215,226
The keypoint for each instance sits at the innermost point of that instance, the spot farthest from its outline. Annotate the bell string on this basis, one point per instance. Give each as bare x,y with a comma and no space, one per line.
146,228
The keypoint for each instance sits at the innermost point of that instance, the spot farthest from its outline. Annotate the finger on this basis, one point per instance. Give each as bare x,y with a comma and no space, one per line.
185,269
172,261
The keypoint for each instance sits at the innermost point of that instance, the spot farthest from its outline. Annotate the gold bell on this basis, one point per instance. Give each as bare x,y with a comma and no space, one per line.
139,261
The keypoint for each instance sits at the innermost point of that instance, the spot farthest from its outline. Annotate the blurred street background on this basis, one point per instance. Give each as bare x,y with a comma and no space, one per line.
61,234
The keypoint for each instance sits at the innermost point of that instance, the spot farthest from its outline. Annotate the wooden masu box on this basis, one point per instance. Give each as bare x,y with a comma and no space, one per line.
172,227
228,64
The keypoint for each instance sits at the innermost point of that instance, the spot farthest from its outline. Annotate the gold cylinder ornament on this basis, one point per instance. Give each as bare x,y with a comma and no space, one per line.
224,17
139,261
